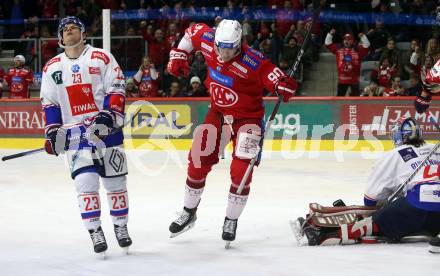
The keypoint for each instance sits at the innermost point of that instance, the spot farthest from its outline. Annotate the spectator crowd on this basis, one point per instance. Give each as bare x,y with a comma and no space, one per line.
397,52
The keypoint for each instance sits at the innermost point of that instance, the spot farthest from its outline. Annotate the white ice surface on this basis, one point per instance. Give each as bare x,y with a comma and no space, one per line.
41,232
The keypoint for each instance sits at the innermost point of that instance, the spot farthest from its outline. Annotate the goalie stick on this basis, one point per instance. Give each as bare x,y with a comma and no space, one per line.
34,151
290,73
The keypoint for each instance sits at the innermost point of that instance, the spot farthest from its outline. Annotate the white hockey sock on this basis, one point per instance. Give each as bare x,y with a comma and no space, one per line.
117,198
192,197
90,208
87,186
236,205
118,205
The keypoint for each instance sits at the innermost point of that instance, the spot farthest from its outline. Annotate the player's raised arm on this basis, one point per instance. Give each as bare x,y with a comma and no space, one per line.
192,40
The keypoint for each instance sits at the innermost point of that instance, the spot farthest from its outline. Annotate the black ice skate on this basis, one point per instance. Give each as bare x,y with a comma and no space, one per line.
229,231
184,222
98,239
317,235
122,236
434,244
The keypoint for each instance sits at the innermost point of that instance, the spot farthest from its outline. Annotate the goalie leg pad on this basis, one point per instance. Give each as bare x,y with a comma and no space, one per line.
323,211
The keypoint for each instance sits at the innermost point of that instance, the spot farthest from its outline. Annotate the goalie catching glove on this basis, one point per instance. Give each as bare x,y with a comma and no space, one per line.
286,87
178,64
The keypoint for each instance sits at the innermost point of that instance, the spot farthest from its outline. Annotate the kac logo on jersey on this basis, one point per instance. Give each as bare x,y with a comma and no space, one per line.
223,96
57,77
75,68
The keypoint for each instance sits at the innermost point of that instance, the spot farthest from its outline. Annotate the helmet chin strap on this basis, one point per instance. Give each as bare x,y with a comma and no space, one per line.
71,46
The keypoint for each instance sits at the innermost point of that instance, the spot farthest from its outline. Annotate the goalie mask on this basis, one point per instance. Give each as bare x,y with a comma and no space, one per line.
405,131
69,20
228,39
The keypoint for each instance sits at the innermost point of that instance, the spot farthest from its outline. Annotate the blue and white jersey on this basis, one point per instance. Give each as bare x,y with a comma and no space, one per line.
393,169
424,190
75,90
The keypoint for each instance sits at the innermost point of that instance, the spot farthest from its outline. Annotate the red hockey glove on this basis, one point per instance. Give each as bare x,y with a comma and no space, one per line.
286,87
178,64
422,102
56,141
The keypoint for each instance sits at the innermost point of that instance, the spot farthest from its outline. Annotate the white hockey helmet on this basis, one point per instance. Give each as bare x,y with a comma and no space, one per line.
228,39
20,58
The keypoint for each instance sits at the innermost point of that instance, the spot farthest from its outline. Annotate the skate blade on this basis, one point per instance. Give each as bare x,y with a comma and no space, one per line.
298,234
434,249
227,245
102,255
126,250
188,227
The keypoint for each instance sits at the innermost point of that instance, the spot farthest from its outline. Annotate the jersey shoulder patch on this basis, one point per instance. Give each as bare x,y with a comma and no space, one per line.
208,36
50,62
407,154
252,58
96,54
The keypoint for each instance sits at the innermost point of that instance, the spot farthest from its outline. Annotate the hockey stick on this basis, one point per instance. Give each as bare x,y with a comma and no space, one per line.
34,151
290,73
399,190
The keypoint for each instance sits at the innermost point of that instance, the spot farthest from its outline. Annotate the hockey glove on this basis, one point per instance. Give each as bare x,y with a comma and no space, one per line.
286,87
178,64
56,140
422,102
100,125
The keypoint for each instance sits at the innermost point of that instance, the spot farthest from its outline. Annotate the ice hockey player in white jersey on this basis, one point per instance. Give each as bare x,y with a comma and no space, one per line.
417,210
83,97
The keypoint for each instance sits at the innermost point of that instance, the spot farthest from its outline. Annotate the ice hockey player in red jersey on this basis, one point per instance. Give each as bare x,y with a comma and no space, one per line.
19,78
236,78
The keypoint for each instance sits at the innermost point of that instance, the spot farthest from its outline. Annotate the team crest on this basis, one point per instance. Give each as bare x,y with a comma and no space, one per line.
75,68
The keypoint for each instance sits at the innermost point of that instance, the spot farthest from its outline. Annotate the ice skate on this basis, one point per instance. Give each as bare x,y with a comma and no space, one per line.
229,231
297,229
184,222
434,245
123,237
99,242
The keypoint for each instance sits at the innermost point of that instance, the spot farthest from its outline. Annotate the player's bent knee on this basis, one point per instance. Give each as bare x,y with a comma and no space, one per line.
86,182
112,184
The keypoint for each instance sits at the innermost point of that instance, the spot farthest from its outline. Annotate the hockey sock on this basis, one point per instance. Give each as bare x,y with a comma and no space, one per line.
118,204
192,197
90,208
117,199
87,186
236,204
